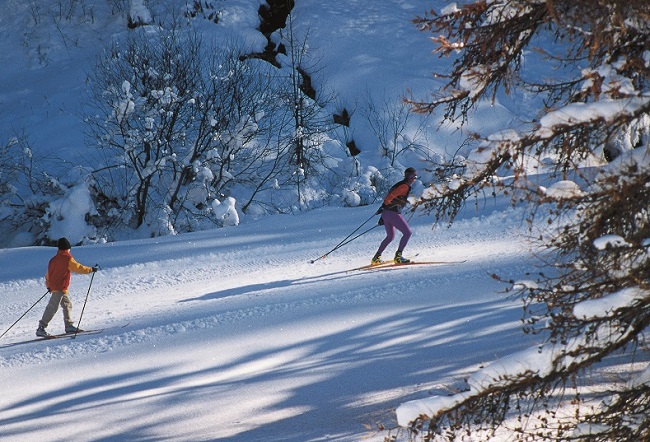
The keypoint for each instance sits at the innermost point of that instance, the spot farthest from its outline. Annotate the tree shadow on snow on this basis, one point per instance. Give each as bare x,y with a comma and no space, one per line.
353,379
271,285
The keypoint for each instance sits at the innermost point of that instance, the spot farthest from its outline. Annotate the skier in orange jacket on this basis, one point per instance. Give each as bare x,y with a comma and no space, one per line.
392,218
57,280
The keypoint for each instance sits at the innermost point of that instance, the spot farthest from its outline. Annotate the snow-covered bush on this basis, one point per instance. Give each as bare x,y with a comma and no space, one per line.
37,207
177,124
68,215
226,212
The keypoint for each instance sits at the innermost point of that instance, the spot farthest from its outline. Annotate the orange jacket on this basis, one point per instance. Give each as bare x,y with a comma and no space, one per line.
396,198
58,273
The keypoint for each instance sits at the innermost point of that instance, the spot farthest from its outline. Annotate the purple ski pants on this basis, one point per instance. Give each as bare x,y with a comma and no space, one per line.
392,221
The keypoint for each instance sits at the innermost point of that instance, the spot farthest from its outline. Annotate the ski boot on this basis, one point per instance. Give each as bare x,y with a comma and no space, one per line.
42,333
399,259
69,329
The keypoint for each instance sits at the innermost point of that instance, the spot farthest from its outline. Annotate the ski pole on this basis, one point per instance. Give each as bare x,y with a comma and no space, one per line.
360,234
345,240
23,315
85,301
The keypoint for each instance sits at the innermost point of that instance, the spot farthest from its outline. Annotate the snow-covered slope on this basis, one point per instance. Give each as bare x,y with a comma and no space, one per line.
234,335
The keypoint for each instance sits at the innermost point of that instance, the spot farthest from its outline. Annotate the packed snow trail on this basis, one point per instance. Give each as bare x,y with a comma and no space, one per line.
234,335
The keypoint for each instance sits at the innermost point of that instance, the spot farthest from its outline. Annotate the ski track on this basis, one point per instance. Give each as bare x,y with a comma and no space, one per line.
247,319
219,278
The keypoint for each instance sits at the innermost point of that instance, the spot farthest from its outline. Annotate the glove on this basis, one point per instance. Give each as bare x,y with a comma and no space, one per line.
95,269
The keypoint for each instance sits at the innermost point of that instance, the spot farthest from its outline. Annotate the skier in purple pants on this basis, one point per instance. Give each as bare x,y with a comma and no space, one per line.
392,218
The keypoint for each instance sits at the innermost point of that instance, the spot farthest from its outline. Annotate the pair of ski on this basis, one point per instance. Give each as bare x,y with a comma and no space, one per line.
60,336
391,264
53,337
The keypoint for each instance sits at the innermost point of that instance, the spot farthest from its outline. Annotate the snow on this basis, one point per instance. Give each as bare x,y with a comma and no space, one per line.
139,12
589,112
603,307
233,334
610,241
563,189
68,213
539,360
226,212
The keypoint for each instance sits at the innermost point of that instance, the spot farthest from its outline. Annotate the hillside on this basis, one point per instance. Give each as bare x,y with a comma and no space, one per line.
361,60
231,333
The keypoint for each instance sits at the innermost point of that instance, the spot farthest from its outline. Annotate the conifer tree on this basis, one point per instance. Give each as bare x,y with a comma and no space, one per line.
591,302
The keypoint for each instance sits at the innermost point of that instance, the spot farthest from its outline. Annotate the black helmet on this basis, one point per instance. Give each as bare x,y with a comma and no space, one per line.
63,244
410,172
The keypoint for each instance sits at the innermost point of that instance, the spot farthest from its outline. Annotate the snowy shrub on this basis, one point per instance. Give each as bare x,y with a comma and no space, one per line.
225,212
67,216
32,201
351,198
362,190
176,123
